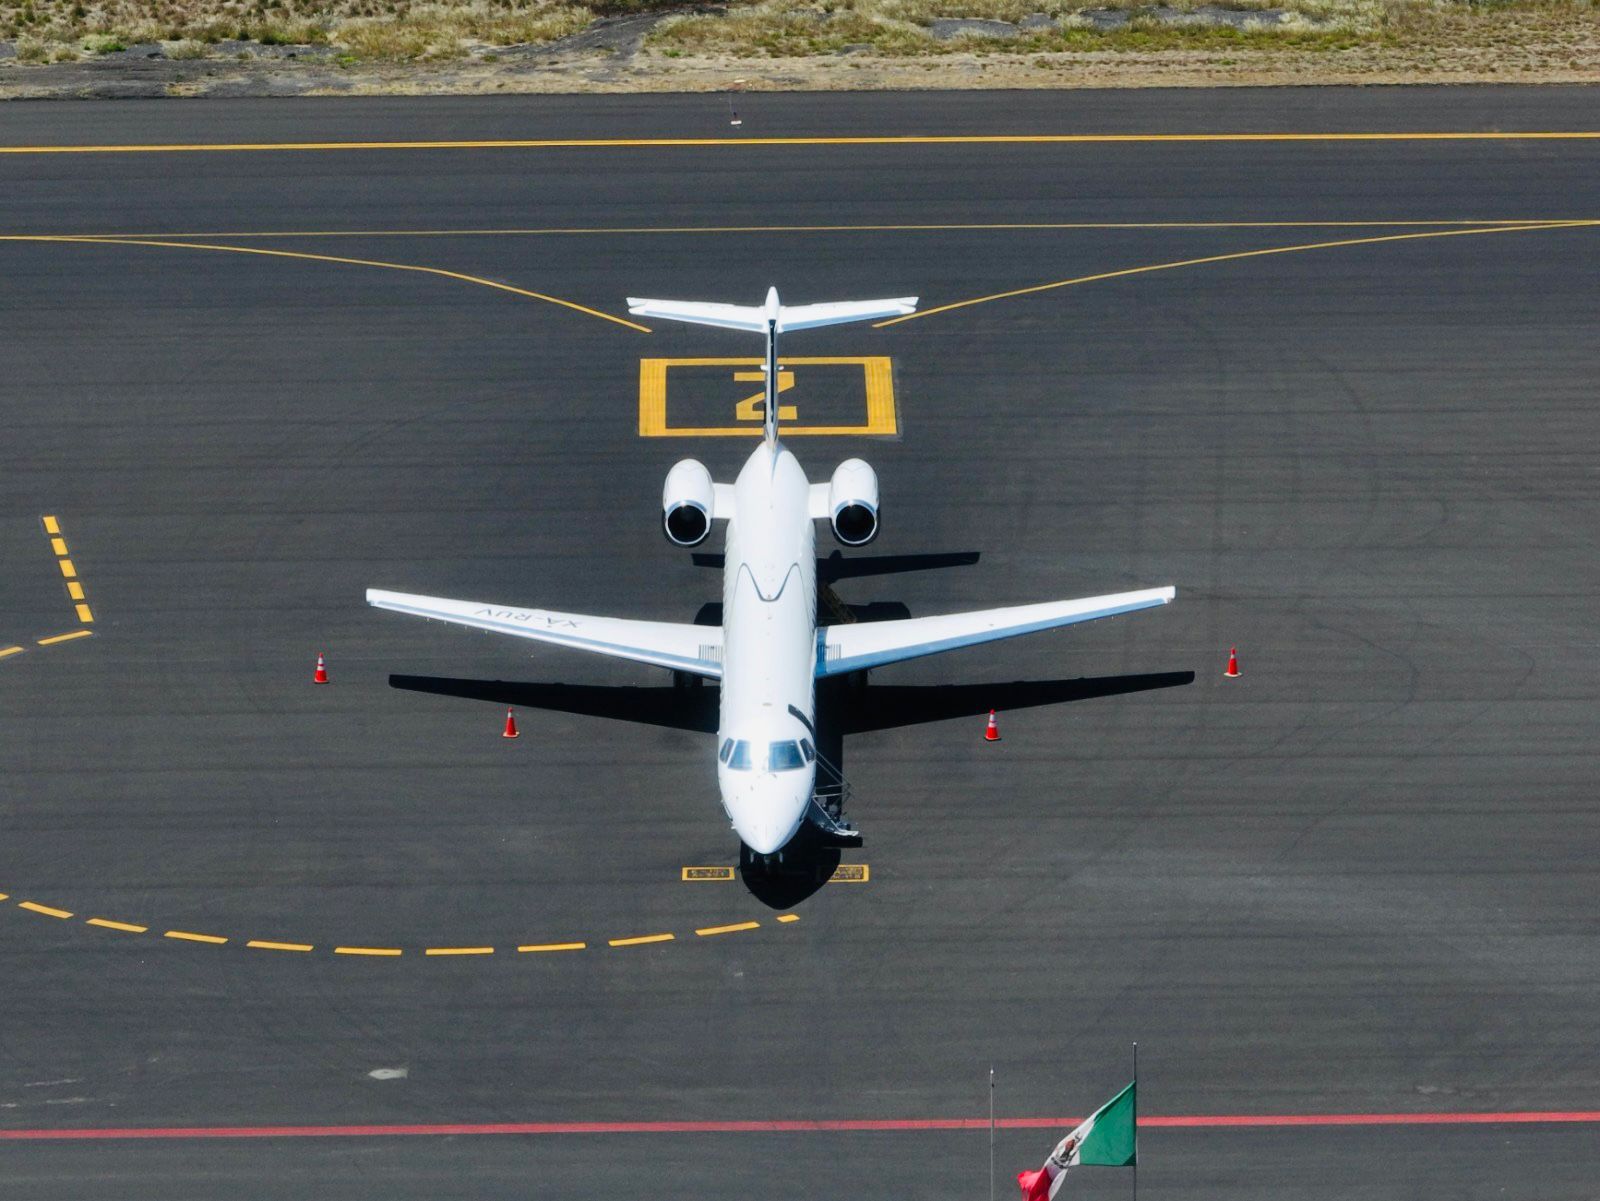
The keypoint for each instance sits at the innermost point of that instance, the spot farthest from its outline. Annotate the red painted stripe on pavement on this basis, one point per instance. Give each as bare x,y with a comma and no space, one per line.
787,1126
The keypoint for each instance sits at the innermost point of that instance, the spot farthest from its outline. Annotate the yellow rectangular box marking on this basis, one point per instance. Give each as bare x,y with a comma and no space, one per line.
65,637
59,545
708,873
85,615
850,873
877,386
67,569
643,938
390,951
51,526
737,926
44,909
75,590
108,924
186,936
554,946
459,951
262,945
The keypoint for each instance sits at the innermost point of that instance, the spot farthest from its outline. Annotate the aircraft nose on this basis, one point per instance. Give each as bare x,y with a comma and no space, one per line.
768,822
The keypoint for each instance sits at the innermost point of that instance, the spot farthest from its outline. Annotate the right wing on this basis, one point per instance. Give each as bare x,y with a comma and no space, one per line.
679,646
847,648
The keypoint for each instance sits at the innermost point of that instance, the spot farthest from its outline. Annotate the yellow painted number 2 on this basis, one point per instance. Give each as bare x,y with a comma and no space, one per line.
750,407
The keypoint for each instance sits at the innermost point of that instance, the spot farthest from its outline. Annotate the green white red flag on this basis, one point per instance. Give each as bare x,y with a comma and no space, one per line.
1109,1137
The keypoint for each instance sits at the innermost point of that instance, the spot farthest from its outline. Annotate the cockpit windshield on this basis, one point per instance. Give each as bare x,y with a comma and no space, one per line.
784,756
780,756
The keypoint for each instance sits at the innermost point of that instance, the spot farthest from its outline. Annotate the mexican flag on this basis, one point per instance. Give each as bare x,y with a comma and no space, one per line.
1109,1136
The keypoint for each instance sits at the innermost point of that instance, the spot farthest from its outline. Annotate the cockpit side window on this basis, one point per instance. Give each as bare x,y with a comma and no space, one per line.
727,749
808,750
784,756
739,757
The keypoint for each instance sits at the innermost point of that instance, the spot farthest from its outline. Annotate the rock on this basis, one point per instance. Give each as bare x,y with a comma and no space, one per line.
946,28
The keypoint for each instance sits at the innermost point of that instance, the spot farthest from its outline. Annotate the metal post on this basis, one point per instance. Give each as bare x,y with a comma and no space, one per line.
1135,1122
991,1132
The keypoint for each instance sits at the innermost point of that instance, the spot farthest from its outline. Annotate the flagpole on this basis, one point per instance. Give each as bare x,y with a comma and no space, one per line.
991,1133
1135,1121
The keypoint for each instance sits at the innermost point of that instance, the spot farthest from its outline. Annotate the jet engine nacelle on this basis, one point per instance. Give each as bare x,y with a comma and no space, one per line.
853,503
687,501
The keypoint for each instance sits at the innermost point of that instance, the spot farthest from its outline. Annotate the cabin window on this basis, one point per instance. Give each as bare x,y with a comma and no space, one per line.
739,757
784,756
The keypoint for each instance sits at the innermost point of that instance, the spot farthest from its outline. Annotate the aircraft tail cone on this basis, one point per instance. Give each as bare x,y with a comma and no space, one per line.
511,724
320,676
991,732
1233,662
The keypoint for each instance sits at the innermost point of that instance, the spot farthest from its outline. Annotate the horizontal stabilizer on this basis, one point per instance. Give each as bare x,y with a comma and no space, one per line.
679,646
848,648
756,317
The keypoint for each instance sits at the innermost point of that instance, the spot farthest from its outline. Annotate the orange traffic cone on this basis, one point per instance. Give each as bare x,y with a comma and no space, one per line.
511,724
991,732
320,676
1233,662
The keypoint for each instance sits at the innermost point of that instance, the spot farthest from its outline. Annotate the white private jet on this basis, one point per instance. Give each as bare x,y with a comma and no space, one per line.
769,652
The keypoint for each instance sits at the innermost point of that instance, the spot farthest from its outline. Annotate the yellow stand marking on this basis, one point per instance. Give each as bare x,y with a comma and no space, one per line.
68,570
44,909
59,545
7,652
788,917
737,926
85,614
877,383
108,924
634,942
186,936
51,526
708,873
75,590
391,951
850,873
459,951
262,945
750,408
554,946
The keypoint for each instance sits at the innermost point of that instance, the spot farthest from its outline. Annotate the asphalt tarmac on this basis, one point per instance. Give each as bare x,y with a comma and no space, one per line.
1359,879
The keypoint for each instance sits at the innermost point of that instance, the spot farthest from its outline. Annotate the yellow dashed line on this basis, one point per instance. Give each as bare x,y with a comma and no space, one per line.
788,917
75,590
68,570
261,945
389,951
44,909
644,938
459,951
188,937
52,526
710,930
7,652
59,545
5,896
65,637
554,946
108,924
85,614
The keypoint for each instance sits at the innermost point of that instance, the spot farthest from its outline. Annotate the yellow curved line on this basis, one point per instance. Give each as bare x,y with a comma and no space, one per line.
901,227
1049,139
332,258
1224,258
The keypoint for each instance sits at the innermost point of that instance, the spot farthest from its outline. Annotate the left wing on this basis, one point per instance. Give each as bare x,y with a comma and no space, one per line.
850,648
680,646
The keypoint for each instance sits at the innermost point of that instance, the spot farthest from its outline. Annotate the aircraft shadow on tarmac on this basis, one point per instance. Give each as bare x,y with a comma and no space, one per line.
852,705
844,707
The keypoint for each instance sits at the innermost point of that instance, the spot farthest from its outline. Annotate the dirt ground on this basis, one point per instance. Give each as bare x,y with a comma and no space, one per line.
611,57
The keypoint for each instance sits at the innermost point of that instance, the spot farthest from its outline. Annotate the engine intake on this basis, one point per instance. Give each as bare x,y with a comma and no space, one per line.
853,502
687,500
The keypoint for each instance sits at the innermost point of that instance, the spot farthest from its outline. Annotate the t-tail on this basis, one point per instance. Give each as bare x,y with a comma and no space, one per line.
772,318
